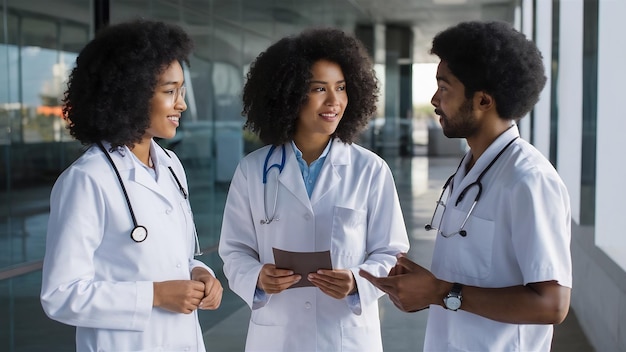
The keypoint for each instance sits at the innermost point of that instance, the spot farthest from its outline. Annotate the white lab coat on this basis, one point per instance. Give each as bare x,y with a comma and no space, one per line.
96,277
519,233
354,212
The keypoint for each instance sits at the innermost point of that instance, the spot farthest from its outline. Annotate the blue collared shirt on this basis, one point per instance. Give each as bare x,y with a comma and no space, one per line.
310,172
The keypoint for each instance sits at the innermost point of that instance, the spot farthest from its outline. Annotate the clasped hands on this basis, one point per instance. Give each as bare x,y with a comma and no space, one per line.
337,283
410,286
203,291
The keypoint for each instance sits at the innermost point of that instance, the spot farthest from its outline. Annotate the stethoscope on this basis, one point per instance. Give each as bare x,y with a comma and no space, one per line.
268,219
477,183
139,233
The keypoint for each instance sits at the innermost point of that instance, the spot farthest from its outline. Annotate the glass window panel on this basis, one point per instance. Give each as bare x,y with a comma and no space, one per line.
227,10
37,32
24,326
72,39
165,10
30,123
23,238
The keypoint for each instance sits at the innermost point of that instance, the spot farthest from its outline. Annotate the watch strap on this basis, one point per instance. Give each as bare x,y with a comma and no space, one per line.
456,288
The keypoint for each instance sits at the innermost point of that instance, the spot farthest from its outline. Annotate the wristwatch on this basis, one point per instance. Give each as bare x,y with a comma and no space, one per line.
453,299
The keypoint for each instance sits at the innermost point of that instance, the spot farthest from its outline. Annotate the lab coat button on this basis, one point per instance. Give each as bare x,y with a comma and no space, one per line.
168,211
307,217
178,265
307,305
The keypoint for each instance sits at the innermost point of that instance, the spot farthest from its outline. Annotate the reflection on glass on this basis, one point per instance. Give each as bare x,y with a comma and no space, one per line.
24,326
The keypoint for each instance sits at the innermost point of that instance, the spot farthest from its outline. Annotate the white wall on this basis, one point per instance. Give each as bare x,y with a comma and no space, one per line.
569,100
541,123
611,170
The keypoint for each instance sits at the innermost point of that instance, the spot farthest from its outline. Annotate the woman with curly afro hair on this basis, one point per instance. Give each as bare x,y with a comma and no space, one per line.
311,189
119,262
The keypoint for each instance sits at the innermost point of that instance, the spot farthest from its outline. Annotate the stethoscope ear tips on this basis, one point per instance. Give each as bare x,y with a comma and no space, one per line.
428,227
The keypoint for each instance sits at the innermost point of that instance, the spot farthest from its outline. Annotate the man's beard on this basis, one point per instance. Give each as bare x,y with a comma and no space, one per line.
463,124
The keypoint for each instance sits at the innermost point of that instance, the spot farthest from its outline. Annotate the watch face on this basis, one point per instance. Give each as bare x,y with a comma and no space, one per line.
453,303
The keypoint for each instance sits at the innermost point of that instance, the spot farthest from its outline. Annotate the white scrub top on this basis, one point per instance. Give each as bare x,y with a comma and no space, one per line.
353,211
519,233
95,277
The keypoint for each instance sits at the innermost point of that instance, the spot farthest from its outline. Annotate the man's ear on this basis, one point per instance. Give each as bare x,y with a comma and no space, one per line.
483,101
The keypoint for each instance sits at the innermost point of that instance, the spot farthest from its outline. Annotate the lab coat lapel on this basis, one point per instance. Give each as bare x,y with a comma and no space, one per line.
165,179
329,176
291,177
129,171
463,180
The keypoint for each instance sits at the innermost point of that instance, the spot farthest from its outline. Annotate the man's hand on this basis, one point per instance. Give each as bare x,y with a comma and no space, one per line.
273,280
410,286
336,283
212,288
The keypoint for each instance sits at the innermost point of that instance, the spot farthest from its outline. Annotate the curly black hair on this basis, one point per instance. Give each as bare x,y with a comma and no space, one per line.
278,82
109,89
495,58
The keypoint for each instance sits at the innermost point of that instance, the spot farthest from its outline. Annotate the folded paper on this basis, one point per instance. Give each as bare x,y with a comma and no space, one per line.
302,263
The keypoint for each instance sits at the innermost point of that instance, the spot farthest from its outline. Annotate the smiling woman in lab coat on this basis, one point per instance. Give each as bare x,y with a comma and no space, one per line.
308,97
123,290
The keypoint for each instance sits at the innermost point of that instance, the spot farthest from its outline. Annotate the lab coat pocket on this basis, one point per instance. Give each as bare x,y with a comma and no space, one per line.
349,233
188,215
471,255
266,338
361,338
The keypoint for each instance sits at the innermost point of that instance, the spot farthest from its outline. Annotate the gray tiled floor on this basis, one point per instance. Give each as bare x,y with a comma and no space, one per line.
419,180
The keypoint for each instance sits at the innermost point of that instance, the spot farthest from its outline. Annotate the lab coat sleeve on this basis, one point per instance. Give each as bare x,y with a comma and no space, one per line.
541,228
238,246
193,263
386,234
69,293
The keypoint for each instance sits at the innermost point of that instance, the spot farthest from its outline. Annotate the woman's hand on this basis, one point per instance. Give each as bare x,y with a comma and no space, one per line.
179,296
336,283
273,280
212,288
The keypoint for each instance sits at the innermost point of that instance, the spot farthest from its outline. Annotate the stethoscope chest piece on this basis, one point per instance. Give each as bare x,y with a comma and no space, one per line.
139,233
